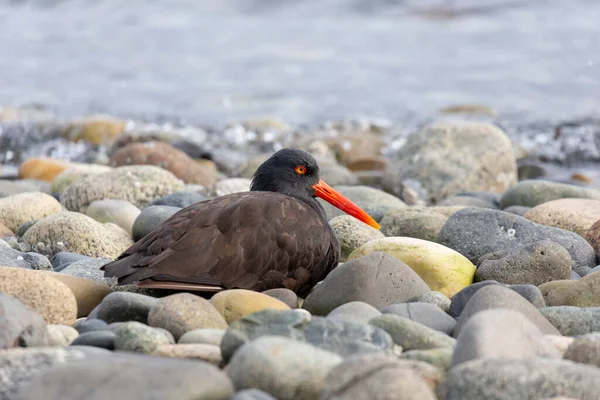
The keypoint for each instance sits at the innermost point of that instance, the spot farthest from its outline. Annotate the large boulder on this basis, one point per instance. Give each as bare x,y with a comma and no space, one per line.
447,158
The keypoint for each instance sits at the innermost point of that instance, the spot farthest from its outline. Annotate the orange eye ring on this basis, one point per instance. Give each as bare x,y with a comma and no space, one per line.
300,169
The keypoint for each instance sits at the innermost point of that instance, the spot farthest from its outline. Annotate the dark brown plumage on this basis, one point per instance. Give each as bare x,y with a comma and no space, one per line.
273,236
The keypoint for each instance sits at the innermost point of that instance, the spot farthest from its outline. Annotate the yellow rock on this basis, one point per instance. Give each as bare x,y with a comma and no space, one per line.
43,169
39,291
443,269
235,303
99,130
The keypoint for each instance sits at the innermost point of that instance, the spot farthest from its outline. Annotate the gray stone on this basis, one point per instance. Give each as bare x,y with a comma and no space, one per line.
425,314
534,264
12,258
102,339
20,326
574,276
475,232
496,296
376,203
63,259
506,379
90,324
583,270
573,321
585,349
343,338
450,157
89,268
485,336
411,335
436,298
336,174
180,199
283,367
252,394
21,366
352,233
37,261
124,306
119,212
375,377
137,337
416,222
203,336
182,312
531,193
468,201
378,279
130,376
355,311
460,299
517,210
440,357
285,295
150,218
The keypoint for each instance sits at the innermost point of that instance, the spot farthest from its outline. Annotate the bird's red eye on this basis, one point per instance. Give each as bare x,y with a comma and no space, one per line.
300,170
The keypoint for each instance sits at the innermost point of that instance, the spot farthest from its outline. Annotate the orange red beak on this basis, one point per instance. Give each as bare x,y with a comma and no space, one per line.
338,200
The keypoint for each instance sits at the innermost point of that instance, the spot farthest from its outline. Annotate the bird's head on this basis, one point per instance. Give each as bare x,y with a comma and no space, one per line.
296,173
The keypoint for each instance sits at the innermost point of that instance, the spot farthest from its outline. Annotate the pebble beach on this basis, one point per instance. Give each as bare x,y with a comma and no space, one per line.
482,283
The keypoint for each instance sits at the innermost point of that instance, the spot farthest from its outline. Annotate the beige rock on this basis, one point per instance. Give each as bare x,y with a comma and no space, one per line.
584,292
78,233
51,298
20,208
88,293
204,352
575,215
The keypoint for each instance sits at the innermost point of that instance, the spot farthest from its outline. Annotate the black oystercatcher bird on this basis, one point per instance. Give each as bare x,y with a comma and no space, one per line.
276,235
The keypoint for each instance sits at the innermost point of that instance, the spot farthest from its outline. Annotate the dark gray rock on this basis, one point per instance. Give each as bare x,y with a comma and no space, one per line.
355,311
496,296
252,394
130,376
90,324
342,338
573,321
63,259
378,279
459,300
20,326
103,339
150,218
485,336
21,366
535,263
180,199
379,377
285,295
505,379
531,193
517,210
475,232
411,335
283,367
124,306
585,349
423,313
